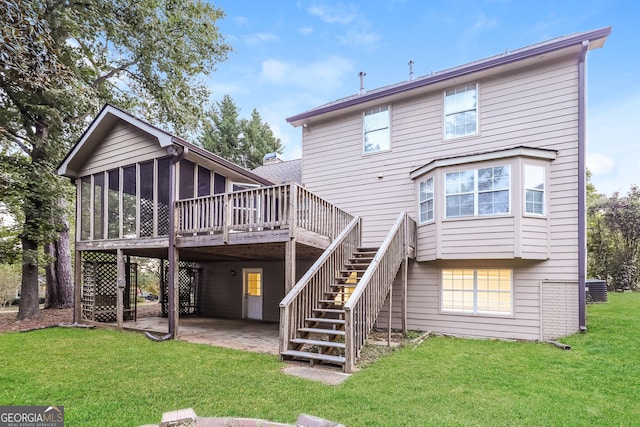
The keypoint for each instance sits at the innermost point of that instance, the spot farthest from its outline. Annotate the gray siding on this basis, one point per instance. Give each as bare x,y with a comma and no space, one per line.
124,145
222,292
532,107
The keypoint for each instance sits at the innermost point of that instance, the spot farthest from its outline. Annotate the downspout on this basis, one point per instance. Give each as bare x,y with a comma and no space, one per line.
176,157
582,186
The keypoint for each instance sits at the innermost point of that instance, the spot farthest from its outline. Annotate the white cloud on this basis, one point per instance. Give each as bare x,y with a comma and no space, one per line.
334,14
600,164
330,71
359,38
240,21
484,23
260,38
612,133
358,33
305,31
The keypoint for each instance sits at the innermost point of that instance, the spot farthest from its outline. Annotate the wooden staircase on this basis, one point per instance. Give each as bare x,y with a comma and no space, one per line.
321,340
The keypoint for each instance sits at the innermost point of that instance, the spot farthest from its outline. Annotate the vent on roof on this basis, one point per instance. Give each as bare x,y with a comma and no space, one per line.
411,77
271,158
362,74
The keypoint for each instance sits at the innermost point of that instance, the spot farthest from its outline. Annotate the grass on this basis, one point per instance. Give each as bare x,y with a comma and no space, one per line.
115,378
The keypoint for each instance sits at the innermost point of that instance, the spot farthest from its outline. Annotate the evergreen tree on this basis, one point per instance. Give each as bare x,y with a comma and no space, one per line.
242,141
221,134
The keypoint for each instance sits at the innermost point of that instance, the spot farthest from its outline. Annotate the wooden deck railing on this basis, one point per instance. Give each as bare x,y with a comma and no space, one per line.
278,207
363,306
299,303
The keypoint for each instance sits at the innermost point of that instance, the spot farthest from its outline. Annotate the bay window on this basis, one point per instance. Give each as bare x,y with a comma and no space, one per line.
426,200
534,189
478,192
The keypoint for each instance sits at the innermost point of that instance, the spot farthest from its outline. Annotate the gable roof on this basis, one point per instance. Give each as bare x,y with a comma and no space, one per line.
595,39
282,172
109,116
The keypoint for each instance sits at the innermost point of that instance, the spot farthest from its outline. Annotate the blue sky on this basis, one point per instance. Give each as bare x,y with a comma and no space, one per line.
290,56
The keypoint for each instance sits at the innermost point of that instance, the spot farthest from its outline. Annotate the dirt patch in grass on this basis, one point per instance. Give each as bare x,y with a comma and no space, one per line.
51,317
378,344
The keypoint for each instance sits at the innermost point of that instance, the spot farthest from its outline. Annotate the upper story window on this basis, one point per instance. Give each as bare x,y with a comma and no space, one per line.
461,111
478,192
376,135
534,189
426,200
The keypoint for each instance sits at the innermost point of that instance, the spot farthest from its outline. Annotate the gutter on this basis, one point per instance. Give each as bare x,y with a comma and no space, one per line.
582,188
459,71
176,157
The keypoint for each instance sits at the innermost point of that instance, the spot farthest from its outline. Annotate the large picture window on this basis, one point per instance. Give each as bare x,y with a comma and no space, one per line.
534,189
477,291
478,192
376,130
461,111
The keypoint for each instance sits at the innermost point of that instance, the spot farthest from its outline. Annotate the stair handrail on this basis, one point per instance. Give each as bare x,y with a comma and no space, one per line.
299,303
367,299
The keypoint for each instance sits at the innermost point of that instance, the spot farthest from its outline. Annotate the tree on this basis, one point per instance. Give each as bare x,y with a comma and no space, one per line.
598,240
614,238
258,140
622,218
242,141
59,62
221,133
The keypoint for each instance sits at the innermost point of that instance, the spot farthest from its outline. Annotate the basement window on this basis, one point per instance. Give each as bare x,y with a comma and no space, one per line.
477,291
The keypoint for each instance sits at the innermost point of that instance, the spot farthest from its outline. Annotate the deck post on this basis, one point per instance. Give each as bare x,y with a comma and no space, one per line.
390,316
289,265
174,292
226,218
405,274
77,287
121,283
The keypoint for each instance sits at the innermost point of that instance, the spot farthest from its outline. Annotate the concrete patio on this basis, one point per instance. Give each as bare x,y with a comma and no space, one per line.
248,335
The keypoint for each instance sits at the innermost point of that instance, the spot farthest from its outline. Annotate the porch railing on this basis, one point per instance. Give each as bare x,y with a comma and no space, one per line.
265,208
299,303
363,306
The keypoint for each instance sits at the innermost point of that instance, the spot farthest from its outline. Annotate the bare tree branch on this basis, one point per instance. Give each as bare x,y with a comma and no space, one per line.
97,82
17,139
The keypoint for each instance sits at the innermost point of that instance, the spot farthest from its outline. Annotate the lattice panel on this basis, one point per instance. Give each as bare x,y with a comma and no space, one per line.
99,288
188,288
146,218
163,219
99,285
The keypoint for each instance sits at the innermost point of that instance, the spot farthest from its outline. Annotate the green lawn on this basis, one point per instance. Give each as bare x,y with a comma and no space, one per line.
109,378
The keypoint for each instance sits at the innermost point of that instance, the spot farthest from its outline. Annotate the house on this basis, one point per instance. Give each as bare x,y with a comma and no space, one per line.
452,203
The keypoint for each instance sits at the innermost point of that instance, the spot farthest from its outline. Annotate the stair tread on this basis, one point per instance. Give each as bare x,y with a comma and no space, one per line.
322,331
329,310
325,320
345,285
330,301
317,356
318,342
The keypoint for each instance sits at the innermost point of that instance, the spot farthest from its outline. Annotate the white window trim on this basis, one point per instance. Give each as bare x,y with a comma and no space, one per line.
476,312
433,200
545,191
373,111
444,115
476,192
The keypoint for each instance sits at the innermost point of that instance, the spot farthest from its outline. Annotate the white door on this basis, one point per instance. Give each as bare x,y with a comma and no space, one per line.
252,293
